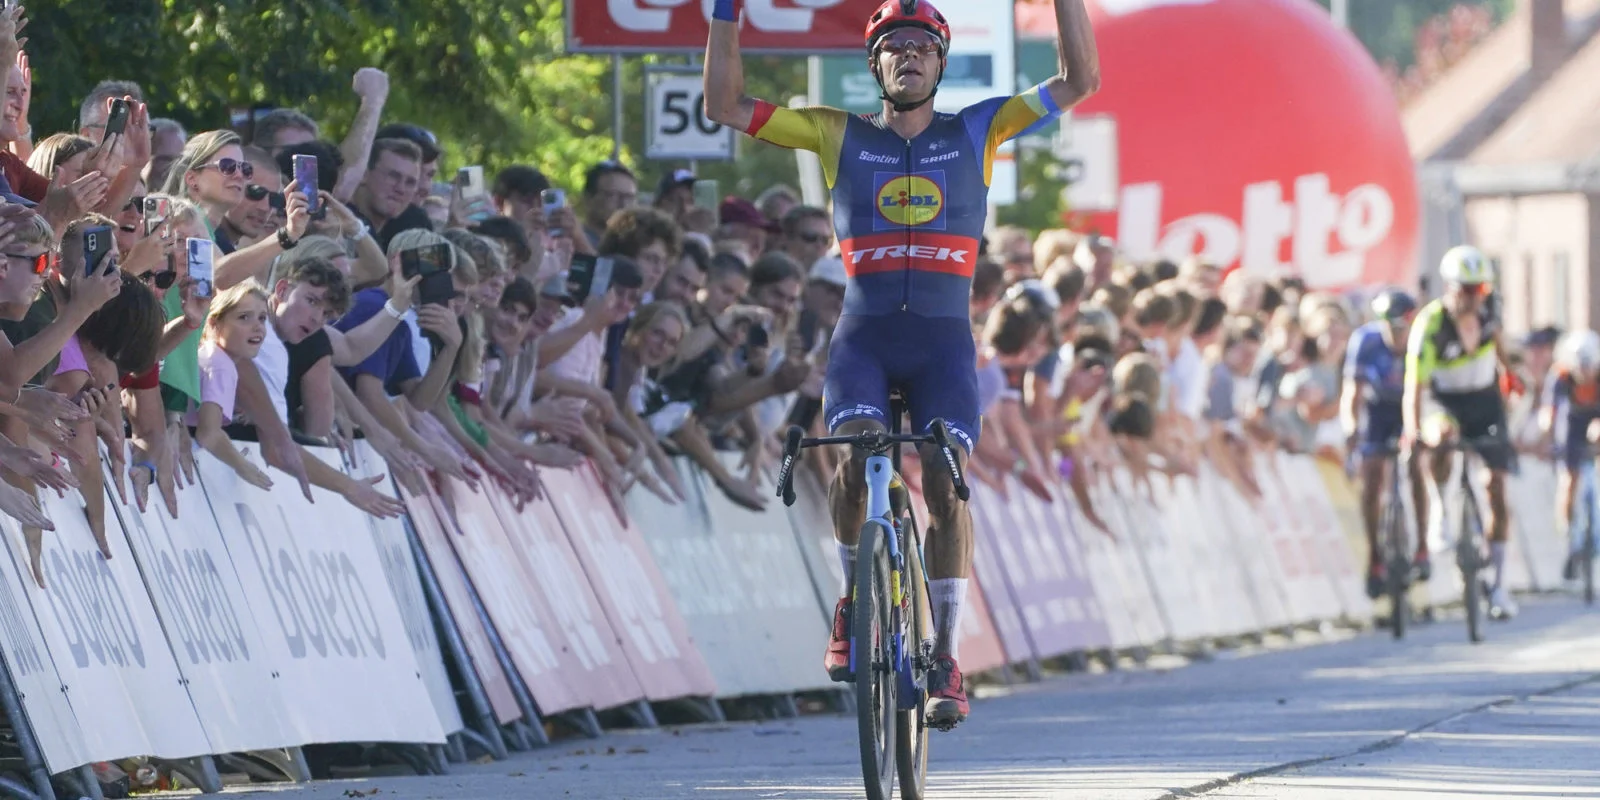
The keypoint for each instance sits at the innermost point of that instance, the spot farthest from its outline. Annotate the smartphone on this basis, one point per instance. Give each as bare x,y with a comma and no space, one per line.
808,330
554,200
425,261
97,244
156,210
588,276
118,120
305,173
706,195
470,179
200,255
436,289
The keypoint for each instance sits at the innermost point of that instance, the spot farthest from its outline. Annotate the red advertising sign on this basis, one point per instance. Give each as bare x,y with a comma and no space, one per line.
806,27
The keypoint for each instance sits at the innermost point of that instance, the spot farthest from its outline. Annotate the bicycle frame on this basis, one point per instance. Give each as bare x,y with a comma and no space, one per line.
1582,522
880,471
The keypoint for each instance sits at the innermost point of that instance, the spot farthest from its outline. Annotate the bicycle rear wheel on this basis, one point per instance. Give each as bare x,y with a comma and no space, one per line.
1587,554
911,742
1399,565
872,656
1469,556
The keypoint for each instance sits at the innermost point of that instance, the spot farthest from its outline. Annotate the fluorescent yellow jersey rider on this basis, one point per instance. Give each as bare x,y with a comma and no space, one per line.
1452,393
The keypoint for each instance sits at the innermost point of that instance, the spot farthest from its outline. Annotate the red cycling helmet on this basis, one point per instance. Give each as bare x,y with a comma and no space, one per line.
907,13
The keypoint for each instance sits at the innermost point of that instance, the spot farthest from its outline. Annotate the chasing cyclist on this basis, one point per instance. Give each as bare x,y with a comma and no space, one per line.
1572,420
1452,391
1374,371
910,196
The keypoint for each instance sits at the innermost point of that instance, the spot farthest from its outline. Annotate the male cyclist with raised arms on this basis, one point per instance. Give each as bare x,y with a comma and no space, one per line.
1572,420
1374,381
910,188
1452,390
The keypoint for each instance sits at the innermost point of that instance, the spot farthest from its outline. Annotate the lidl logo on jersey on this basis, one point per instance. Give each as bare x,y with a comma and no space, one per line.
910,201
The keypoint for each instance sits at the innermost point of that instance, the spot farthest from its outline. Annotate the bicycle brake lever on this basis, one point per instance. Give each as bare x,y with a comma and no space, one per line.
791,449
941,437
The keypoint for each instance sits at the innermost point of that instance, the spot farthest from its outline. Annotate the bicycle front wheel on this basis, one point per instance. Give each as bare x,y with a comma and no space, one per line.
872,654
912,732
1469,555
1588,559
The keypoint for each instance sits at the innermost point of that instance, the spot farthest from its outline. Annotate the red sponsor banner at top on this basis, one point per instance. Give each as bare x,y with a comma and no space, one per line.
805,27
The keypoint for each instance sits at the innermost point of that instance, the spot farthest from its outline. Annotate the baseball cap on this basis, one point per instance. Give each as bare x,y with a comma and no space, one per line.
737,210
828,269
423,138
674,179
1543,337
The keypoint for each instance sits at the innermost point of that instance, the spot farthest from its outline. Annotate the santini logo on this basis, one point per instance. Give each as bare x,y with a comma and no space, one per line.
874,158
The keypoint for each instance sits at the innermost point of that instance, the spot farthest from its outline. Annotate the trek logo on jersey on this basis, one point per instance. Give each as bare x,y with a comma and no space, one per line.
925,252
910,200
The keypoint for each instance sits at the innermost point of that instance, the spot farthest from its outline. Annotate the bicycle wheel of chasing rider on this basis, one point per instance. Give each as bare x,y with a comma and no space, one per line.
1469,556
1399,565
911,733
872,656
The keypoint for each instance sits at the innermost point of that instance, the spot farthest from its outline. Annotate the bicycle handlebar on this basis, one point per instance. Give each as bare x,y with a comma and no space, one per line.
876,442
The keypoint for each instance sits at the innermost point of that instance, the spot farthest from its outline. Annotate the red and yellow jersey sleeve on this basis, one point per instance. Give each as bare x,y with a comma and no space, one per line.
819,129
1010,118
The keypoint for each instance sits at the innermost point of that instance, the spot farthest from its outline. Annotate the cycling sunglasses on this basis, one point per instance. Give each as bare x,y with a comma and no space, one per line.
1480,289
910,42
41,262
229,166
255,192
163,280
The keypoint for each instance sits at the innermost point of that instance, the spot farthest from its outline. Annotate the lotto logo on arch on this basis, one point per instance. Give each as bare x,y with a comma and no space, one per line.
910,200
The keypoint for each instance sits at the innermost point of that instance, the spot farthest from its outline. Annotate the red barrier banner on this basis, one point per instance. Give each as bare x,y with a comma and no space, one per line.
629,586
427,519
590,651
537,645
807,27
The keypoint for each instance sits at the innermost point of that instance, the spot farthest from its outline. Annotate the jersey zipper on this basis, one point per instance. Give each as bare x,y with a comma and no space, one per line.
905,303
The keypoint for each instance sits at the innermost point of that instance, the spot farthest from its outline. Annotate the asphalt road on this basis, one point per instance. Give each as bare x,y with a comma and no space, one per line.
1326,717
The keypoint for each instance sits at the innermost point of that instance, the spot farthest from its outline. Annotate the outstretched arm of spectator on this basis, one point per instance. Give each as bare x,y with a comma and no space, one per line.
255,261
148,422
372,86
278,448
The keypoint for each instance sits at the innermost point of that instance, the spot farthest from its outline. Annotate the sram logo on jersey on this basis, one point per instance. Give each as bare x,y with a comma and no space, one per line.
915,200
924,252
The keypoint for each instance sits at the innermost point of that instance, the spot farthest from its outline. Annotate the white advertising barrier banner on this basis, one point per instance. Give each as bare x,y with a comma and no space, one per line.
996,563
1324,532
1186,613
742,586
1311,593
209,624
32,669
317,588
101,630
405,583
1542,542
1119,579
1186,535
1249,543
1230,577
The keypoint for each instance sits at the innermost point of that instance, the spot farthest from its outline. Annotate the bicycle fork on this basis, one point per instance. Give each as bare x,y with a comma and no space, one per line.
880,473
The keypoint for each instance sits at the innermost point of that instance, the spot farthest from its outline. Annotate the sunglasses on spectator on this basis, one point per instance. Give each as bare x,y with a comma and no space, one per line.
41,262
163,280
229,166
255,192
910,42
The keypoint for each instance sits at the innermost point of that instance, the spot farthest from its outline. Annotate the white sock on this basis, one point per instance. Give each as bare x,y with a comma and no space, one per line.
1497,558
946,596
847,559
